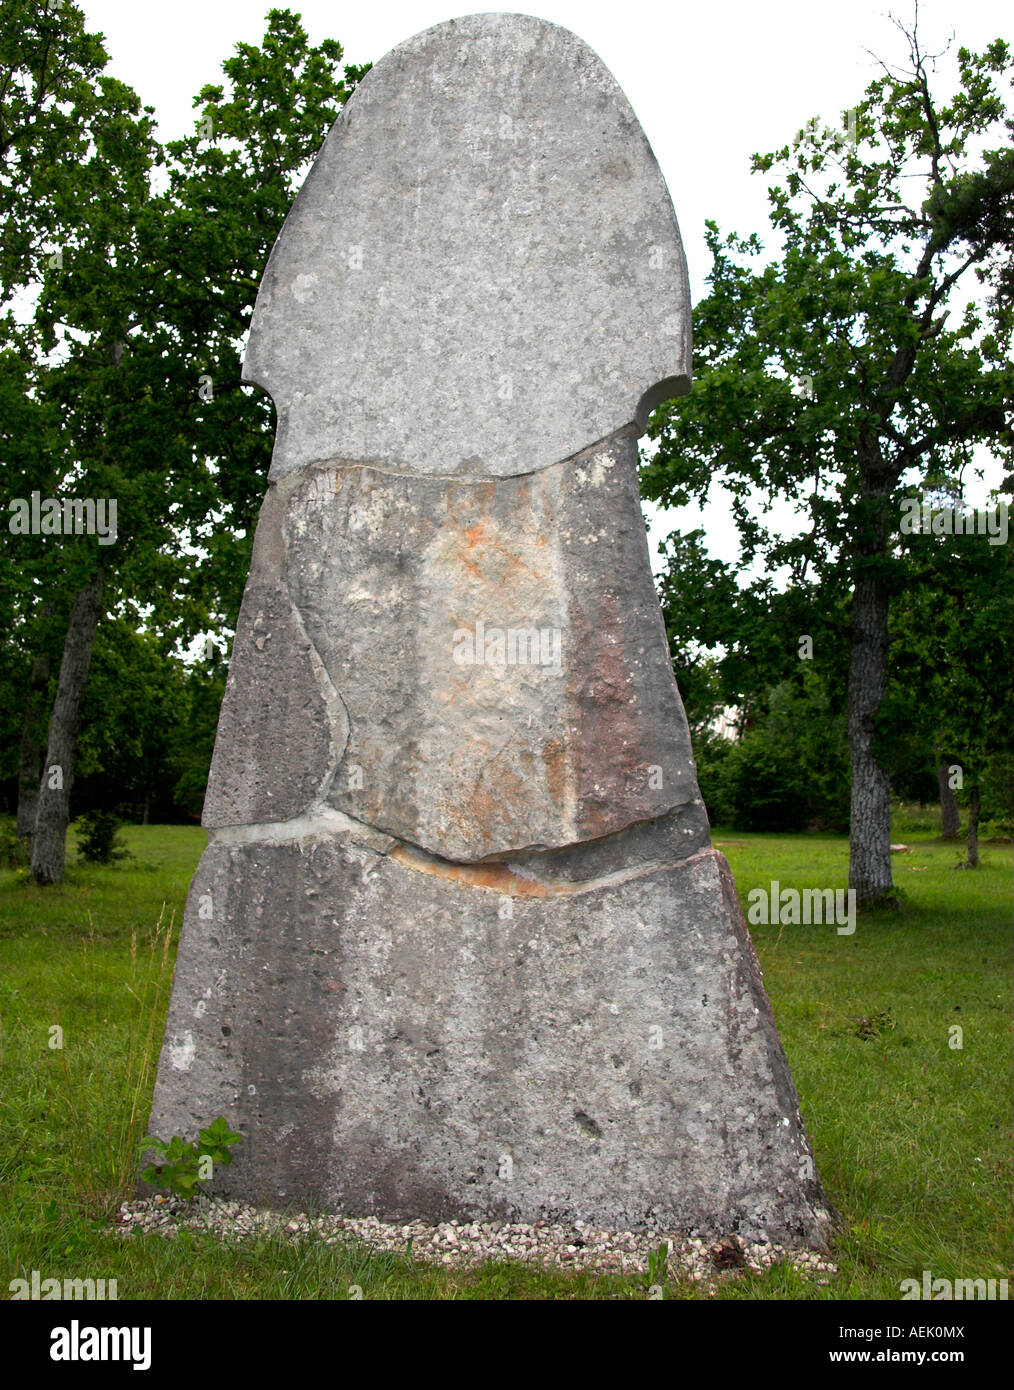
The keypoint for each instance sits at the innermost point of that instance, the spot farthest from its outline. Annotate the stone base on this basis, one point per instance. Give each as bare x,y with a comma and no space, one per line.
400,1036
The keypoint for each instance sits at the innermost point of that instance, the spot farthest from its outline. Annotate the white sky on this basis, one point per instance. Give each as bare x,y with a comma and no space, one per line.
711,82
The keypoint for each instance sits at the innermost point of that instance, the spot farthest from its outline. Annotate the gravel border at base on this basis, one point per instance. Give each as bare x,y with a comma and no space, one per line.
464,1244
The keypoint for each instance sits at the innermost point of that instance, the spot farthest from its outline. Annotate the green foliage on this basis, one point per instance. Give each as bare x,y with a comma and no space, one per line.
193,738
136,267
951,684
908,818
758,787
149,725
787,771
836,376
98,837
13,853
231,185
183,1165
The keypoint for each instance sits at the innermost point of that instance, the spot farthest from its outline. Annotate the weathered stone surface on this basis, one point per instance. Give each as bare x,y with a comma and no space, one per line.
459,945
391,1037
258,780
482,273
271,652
396,580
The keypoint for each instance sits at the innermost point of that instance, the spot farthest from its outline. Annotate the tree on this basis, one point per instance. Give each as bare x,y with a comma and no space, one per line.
953,670
783,770
76,152
134,344
136,701
54,101
830,375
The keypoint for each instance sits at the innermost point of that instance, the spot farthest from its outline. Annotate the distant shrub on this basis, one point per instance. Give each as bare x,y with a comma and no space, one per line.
98,838
764,786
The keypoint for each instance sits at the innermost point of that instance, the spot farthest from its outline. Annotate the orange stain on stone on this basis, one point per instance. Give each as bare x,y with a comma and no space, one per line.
554,757
477,534
498,878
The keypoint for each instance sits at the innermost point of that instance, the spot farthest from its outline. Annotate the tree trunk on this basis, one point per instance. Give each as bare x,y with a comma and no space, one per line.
30,752
870,812
950,819
973,829
49,848
33,729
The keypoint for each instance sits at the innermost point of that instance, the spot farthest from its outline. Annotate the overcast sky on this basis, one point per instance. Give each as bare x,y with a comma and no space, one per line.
710,82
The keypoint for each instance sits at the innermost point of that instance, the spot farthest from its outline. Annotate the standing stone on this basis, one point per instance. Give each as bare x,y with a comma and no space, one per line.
459,945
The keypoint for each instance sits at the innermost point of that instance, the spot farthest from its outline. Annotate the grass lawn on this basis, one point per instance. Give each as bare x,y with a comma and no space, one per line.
912,1135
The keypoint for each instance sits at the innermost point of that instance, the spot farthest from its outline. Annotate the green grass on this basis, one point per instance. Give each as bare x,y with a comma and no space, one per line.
911,1135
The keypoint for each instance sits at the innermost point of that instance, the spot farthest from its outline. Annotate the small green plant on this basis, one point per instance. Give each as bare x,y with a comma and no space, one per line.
184,1164
657,1263
98,837
873,1025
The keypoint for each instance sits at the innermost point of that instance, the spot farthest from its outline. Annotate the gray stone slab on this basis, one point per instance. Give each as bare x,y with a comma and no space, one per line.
492,656
258,781
482,273
386,1037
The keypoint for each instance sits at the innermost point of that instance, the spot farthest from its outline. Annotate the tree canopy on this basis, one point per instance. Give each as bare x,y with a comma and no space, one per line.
841,374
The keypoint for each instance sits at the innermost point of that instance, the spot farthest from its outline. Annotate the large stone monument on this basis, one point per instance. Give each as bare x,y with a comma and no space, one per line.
459,944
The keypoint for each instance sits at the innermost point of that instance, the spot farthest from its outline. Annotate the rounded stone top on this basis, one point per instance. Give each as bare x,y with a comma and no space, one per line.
482,273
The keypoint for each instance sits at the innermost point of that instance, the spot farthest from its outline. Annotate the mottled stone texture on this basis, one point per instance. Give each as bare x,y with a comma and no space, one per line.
381,571
390,1037
459,944
482,272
